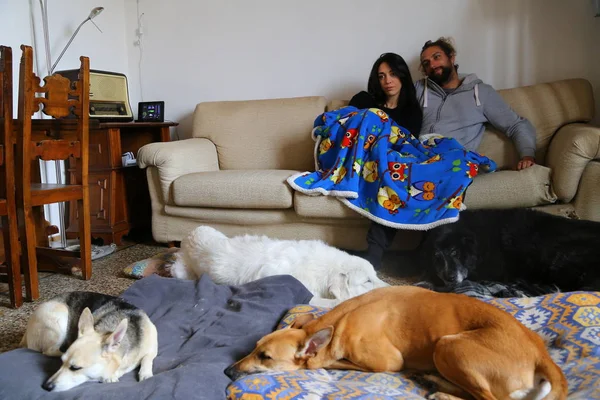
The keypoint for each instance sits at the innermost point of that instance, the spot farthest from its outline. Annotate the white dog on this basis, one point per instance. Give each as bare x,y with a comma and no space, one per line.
327,272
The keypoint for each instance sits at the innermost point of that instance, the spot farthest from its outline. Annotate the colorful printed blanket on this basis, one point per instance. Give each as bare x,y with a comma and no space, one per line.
489,289
569,323
380,170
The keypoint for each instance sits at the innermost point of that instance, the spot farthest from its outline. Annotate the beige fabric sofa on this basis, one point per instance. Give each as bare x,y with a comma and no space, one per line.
232,173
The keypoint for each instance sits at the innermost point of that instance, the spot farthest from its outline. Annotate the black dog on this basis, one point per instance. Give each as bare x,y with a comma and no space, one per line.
514,245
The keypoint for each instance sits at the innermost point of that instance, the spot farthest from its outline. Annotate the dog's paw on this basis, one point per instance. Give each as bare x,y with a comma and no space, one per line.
53,352
143,376
425,285
420,379
441,396
111,379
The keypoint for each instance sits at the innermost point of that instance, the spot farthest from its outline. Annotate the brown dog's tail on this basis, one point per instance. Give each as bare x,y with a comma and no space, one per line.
551,383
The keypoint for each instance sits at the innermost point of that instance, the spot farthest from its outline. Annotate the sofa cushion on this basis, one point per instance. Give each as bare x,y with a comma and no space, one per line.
254,134
336,105
507,189
587,200
559,209
322,207
238,216
247,189
548,106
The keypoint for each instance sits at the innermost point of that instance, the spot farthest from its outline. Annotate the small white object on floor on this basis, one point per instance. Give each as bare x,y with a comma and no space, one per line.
97,251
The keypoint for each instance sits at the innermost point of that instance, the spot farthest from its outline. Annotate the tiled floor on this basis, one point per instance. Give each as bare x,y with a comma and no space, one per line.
107,277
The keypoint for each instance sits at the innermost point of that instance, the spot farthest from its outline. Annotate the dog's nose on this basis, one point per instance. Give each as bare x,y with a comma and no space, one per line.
232,372
49,386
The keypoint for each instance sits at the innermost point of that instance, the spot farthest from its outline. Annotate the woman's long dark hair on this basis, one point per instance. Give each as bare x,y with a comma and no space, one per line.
408,94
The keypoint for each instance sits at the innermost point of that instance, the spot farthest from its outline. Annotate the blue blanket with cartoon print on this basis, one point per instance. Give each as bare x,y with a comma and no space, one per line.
381,171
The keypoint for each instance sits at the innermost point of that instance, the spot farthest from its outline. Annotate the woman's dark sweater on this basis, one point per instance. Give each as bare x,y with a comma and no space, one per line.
402,116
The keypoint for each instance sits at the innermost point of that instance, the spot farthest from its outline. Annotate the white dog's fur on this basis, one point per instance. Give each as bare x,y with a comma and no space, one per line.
327,272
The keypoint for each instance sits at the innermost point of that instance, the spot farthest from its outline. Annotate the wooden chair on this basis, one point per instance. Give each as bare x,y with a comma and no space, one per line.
64,137
11,270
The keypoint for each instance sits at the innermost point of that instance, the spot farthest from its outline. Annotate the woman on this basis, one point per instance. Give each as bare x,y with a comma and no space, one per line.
391,89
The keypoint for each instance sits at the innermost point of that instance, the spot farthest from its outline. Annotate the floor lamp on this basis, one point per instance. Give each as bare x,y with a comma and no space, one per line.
58,165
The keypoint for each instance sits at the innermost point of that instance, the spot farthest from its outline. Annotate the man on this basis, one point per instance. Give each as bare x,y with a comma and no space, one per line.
457,106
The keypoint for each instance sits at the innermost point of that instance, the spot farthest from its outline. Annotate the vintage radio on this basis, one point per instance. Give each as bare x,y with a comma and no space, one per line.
109,95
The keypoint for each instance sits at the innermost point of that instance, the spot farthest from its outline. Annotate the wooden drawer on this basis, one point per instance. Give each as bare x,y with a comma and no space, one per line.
108,212
100,198
116,211
99,150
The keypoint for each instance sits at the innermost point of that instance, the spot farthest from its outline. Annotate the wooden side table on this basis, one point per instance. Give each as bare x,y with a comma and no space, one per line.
119,197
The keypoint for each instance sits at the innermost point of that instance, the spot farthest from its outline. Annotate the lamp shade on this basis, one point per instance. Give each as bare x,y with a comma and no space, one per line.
95,12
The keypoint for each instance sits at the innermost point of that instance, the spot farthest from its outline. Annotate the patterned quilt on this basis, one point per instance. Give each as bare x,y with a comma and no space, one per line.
568,322
381,171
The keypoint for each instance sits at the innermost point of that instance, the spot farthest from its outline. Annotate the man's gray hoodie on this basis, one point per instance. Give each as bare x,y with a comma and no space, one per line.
462,114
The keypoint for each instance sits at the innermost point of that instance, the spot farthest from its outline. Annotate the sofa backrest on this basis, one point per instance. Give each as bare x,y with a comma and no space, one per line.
276,133
260,134
548,106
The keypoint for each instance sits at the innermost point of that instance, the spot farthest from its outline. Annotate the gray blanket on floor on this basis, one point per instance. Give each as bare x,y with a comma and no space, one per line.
202,329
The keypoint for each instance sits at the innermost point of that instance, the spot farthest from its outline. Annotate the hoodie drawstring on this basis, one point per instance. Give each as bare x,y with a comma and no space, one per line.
477,95
426,90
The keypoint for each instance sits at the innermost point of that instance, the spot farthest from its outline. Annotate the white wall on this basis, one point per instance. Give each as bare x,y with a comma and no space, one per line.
107,49
20,23
204,50
15,29
227,50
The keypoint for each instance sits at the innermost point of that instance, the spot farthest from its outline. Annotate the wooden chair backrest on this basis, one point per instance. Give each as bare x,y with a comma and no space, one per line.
59,98
6,98
7,179
64,137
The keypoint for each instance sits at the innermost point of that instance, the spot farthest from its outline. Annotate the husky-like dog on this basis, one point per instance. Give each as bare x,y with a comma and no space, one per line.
99,338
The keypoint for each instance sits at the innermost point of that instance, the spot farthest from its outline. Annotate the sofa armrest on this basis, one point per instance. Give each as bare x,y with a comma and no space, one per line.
181,157
587,201
571,149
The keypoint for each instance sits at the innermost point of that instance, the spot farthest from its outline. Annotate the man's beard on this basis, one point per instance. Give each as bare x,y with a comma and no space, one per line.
442,78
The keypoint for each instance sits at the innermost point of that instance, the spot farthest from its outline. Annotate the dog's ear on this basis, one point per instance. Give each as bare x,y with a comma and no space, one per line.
86,322
302,320
113,342
315,343
339,286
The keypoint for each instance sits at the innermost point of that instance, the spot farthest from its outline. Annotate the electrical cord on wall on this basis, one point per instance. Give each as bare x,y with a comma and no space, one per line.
140,44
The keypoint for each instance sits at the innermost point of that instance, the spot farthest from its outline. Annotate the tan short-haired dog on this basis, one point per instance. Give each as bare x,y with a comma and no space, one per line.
483,351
